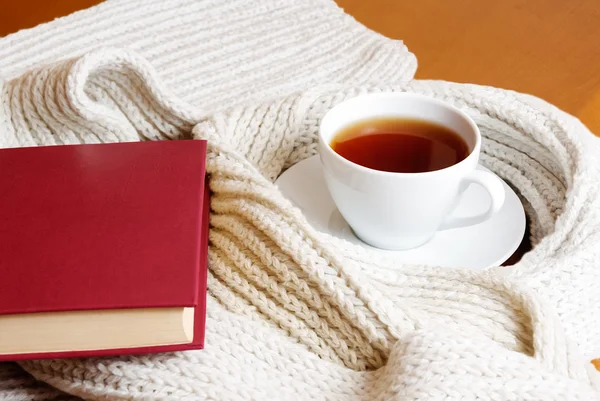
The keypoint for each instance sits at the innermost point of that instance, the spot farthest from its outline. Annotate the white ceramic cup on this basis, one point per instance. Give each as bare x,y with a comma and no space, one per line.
403,210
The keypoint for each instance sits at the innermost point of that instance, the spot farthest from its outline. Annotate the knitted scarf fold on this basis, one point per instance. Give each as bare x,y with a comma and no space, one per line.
294,313
297,314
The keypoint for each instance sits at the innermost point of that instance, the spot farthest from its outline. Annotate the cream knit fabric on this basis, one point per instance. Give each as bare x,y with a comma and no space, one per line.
217,53
297,314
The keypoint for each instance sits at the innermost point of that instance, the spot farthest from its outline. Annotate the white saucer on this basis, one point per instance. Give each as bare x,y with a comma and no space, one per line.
475,247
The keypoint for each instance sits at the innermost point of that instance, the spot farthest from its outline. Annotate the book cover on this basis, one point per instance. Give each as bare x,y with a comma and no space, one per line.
90,231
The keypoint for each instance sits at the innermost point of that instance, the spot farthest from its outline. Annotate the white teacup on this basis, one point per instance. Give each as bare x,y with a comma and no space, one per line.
403,210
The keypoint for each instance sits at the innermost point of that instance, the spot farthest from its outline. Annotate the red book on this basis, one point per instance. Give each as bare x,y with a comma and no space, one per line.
104,249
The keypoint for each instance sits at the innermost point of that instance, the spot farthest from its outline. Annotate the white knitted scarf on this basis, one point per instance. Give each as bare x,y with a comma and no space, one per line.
294,313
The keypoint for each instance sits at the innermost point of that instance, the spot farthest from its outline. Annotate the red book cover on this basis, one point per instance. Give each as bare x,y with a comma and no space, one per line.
104,226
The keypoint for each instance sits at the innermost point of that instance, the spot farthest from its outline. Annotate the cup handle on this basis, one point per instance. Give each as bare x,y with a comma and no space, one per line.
494,187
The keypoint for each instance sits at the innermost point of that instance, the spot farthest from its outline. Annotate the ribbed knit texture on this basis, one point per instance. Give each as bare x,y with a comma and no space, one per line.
297,314
216,53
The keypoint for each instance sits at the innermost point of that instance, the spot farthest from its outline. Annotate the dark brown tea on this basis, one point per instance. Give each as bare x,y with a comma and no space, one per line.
400,145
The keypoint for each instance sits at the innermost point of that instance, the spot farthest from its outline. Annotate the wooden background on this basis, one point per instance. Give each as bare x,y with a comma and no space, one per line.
20,14
548,48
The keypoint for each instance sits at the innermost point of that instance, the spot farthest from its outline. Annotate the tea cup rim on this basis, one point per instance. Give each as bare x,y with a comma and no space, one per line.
325,145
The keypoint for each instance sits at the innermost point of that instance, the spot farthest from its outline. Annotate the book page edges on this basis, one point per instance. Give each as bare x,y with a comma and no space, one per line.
95,330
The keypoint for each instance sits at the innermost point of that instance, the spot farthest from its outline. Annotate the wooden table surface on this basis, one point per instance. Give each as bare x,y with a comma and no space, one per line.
548,48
